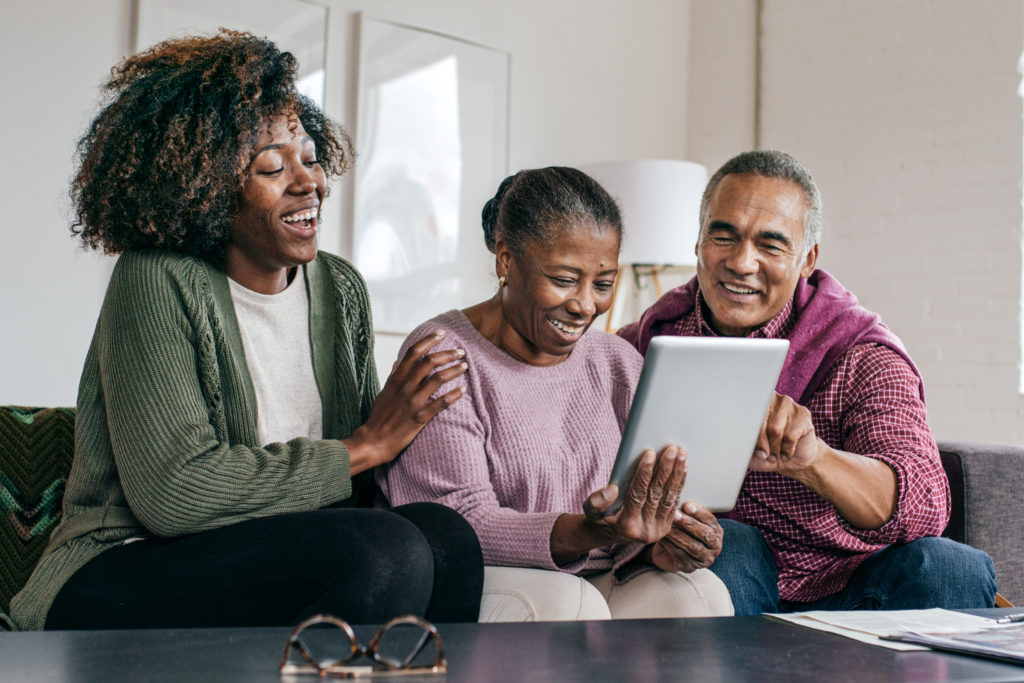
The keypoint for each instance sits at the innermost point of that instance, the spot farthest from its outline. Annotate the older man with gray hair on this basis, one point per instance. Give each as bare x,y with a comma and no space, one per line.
846,496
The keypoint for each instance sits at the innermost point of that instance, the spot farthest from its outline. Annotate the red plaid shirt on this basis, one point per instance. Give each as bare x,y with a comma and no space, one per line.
869,404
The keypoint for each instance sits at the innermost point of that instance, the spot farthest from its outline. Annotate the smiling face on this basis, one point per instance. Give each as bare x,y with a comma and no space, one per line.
750,252
275,227
554,291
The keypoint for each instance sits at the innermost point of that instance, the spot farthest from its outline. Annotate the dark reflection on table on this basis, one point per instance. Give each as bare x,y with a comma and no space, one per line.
716,649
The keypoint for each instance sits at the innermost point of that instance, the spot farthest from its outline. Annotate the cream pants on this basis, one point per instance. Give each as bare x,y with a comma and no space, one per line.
526,594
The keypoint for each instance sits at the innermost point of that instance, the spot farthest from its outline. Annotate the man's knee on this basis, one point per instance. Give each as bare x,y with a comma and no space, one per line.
944,573
747,568
942,554
744,537
744,550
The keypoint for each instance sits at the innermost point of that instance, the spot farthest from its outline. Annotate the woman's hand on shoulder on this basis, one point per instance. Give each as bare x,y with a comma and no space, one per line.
404,406
650,505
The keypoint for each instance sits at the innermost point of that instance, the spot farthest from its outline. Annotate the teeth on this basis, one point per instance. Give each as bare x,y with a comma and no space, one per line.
570,329
739,290
301,216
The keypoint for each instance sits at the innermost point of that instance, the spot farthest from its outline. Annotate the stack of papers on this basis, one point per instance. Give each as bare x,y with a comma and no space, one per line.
871,627
997,641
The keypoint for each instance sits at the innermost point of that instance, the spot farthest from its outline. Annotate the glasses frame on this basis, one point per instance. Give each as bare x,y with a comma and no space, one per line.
344,668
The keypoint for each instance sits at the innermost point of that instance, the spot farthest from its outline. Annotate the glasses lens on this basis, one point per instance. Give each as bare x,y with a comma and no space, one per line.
321,642
406,644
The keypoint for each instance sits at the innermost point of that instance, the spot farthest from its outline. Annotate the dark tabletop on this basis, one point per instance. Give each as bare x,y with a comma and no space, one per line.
702,650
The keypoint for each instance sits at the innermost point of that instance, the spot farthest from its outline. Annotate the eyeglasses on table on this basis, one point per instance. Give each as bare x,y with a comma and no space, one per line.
392,651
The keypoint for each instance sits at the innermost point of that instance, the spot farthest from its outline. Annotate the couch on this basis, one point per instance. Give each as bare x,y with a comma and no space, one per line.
36,446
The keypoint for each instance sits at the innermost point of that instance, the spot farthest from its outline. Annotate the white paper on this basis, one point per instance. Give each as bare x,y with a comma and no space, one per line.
868,626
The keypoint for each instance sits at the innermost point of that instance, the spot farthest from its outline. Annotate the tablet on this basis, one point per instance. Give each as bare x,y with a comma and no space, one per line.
709,395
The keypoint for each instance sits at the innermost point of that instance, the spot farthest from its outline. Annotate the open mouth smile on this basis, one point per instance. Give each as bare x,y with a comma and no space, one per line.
303,220
737,289
572,330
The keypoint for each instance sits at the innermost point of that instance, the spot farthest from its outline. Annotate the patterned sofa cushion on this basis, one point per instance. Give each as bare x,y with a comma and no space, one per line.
36,447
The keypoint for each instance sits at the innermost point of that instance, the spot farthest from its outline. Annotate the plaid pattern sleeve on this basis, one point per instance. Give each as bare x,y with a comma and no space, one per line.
883,417
869,405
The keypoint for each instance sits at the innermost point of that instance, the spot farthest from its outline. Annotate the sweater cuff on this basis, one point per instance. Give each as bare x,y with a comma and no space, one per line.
627,564
333,476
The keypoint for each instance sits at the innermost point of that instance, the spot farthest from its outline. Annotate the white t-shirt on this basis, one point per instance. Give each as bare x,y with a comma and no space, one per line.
275,335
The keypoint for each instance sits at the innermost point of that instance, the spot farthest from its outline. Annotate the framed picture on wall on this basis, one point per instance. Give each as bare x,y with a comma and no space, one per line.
431,134
297,26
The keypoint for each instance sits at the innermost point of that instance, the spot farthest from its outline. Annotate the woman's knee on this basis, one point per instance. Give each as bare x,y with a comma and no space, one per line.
444,528
375,541
528,594
658,594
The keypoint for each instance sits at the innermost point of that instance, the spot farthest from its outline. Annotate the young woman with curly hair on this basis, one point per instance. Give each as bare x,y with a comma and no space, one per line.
229,397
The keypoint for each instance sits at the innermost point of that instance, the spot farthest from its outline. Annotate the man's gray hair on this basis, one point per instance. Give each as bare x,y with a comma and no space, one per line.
771,163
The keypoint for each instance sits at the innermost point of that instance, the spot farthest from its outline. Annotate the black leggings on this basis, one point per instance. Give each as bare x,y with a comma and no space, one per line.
362,565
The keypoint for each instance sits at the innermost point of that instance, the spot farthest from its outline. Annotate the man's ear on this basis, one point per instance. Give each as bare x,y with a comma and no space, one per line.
808,266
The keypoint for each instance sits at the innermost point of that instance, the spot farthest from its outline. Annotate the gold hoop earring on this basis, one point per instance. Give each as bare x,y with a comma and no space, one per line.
502,281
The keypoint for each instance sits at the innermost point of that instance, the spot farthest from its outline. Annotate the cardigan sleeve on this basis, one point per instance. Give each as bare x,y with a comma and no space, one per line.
160,373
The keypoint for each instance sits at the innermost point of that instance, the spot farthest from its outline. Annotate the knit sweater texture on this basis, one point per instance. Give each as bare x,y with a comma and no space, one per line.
524,445
165,432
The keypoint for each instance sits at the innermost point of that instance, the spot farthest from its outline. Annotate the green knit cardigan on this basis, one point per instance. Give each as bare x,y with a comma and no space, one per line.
165,434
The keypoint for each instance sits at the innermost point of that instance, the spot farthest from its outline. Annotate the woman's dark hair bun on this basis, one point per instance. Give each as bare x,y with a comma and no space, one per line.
535,205
488,218
489,214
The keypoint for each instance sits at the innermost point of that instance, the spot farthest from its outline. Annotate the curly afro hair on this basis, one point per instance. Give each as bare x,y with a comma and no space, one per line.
163,164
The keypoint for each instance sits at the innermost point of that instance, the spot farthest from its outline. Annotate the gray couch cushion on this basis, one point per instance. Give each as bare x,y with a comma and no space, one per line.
987,483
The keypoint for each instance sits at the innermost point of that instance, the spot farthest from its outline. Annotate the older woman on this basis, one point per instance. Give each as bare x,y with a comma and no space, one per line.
229,395
526,456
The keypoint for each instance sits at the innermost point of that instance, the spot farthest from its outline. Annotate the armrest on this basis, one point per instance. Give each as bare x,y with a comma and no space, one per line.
986,481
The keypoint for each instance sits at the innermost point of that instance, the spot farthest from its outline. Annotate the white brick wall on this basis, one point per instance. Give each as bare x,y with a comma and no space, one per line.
907,115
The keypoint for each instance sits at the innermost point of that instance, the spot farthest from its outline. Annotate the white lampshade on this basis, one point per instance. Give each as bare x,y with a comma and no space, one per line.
660,203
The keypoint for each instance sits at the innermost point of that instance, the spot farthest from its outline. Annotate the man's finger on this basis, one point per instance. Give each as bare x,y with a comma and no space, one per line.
776,428
762,449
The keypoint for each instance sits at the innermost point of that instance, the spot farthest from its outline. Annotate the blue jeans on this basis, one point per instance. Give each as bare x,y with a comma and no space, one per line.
928,572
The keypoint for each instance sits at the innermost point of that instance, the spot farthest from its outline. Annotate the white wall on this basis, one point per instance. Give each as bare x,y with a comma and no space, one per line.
584,75
54,54
721,96
590,80
907,115
905,112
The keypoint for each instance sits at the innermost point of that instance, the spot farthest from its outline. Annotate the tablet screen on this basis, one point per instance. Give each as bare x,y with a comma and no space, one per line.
708,395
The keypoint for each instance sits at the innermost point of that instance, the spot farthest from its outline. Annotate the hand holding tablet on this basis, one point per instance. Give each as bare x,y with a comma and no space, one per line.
650,505
708,395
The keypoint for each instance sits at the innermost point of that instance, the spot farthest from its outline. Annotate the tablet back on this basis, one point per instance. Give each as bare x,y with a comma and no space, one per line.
709,395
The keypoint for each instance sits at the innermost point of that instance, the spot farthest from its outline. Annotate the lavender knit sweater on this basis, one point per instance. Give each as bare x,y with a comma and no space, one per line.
524,445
